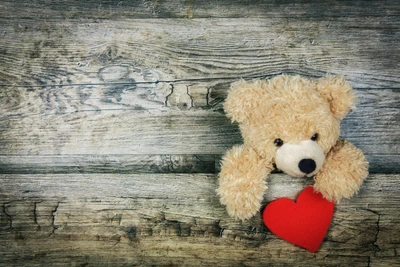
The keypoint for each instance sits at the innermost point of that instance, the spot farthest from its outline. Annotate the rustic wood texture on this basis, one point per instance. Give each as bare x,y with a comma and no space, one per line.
161,219
112,128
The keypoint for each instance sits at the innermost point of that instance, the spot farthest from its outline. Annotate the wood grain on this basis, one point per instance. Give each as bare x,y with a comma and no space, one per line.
94,83
54,52
112,128
124,163
92,9
60,122
101,219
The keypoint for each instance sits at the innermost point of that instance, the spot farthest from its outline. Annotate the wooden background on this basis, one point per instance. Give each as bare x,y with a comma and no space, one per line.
112,128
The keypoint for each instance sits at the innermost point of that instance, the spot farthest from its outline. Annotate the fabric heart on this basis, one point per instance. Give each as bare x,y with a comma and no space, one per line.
303,223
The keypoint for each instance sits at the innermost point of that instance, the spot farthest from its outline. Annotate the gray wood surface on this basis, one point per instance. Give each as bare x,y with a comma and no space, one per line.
106,219
112,128
122,129
92,9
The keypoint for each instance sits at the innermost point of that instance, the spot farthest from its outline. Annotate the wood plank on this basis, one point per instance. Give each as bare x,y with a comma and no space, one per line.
132,133
77,52
194,9
60,122
103,219
53,164
134,163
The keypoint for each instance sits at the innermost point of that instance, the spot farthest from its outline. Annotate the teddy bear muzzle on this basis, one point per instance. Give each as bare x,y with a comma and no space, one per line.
300,159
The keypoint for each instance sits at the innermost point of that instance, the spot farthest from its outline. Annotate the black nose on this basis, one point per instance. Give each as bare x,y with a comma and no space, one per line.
307,165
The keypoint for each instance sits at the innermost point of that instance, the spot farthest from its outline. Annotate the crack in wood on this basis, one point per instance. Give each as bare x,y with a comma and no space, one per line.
35,215
161,225
166,102
10,219
375,241
209,89
190,96
221,233
53,218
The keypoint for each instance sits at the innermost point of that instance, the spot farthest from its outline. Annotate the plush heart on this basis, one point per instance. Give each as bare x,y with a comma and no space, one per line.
303,223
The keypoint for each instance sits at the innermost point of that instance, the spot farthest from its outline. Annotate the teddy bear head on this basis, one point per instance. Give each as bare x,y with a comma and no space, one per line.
291,121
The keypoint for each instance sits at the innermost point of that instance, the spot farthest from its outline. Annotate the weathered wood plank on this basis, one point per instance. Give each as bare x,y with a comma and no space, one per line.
195,9
103,219
53,52
127,132
53,164
188,163
47,122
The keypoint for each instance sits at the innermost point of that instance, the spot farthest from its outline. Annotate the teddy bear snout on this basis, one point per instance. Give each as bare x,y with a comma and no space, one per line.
304,158
307,165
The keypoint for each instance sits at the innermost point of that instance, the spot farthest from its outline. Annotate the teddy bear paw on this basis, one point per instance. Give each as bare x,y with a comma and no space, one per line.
241,208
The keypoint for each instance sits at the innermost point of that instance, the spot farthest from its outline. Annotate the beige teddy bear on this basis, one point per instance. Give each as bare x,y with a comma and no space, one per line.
293,124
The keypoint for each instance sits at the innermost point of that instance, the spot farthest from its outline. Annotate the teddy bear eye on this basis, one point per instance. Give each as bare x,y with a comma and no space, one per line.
278,142
314,137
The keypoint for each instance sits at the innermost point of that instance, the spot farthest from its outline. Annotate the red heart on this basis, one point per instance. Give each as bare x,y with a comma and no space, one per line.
304,223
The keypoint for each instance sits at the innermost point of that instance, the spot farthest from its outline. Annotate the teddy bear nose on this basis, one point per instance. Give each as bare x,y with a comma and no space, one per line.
307,165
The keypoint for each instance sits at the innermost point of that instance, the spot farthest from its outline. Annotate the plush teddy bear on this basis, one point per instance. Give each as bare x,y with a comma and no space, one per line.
293,124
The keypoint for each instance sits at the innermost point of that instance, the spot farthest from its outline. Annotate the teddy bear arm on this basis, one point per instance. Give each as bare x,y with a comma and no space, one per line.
343,172
242,181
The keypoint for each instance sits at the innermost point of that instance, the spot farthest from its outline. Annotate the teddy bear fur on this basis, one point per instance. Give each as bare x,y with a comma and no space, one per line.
295,110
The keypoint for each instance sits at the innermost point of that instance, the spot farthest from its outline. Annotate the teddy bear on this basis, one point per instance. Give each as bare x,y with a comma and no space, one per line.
289,123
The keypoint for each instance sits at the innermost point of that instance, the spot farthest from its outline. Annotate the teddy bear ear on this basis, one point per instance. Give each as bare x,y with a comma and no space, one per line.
338,93
242,100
